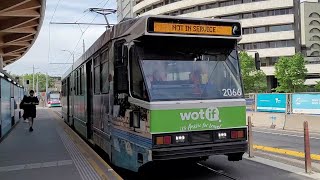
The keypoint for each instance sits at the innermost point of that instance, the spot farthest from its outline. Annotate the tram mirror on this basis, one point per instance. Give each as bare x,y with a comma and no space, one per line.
135,119
257,61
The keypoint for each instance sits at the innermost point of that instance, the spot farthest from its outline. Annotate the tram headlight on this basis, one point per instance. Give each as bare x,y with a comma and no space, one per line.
180,138
222,135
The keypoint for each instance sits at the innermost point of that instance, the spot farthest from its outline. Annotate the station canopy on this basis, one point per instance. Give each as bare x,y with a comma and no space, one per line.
20,22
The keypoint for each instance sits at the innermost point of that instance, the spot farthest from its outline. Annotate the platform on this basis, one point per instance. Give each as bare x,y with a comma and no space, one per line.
52,151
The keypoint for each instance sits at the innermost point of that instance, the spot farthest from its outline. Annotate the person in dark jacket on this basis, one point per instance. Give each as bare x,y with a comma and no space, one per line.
22,107
29,106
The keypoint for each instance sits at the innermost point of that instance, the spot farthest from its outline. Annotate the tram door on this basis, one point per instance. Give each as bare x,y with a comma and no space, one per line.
89,99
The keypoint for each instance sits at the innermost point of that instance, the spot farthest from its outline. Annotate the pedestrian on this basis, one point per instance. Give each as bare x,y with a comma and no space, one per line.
22,107
30,111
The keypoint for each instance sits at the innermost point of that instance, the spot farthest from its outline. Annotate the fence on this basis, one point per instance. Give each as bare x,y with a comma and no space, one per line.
297,103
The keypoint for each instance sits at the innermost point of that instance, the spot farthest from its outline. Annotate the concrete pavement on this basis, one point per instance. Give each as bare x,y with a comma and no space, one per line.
48,152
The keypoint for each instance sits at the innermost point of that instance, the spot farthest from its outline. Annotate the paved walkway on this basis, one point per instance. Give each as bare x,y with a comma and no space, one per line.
46,153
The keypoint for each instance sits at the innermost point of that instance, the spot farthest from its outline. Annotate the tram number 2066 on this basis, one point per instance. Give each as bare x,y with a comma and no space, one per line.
232,92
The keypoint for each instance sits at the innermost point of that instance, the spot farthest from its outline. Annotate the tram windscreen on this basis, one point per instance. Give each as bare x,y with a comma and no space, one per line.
208,76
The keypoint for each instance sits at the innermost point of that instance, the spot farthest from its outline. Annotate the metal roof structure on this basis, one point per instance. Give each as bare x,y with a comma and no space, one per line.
20,23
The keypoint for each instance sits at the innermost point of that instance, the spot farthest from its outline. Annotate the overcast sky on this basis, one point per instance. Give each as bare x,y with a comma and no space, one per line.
53,39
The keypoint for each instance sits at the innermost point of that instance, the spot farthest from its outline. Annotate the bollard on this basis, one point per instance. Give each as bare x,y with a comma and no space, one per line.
250,140
307,155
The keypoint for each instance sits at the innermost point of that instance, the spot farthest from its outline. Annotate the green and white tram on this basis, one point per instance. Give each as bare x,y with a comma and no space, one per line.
159,88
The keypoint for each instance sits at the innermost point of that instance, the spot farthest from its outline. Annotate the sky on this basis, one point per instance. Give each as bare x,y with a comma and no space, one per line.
54,39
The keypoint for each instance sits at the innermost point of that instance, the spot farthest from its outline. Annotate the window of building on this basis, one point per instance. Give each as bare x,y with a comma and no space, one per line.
272,61
314,30
315,38
314,15
287,27
314,23
259,14
189,10
247,15
259,30
212,5
315,53
201,7
231,17
175,13
315,46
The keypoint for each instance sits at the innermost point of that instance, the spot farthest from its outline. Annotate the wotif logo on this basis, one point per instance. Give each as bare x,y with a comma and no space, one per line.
211,114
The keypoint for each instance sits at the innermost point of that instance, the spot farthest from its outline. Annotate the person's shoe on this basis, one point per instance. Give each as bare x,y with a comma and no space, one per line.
26,121
30,129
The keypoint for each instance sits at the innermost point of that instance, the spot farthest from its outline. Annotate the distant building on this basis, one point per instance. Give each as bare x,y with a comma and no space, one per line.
310,36
274,28
57,84
124,8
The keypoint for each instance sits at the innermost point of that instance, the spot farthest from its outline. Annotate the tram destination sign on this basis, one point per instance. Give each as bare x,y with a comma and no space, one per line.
194,27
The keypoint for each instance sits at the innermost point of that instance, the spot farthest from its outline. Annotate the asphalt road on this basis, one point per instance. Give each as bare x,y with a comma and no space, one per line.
285,139
217,168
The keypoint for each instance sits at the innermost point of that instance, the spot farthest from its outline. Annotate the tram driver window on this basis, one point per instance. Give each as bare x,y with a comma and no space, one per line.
137,84
121,72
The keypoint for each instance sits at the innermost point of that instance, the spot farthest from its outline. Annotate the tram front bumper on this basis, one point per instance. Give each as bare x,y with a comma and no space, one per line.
194,151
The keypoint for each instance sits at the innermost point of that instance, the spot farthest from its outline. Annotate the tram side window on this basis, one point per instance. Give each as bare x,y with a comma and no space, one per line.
121,72
76,82
97,75
137,84
104,72
80,80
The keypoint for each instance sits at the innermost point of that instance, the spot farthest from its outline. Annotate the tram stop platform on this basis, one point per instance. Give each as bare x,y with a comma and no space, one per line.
51,152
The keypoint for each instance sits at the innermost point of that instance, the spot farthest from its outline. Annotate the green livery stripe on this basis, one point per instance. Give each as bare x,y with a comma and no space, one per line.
183,120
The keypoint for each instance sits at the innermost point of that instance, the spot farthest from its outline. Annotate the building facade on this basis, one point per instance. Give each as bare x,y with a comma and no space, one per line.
310,36
124,9
270,27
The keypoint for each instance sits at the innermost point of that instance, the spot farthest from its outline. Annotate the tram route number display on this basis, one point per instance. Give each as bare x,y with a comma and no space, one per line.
231,92
192,29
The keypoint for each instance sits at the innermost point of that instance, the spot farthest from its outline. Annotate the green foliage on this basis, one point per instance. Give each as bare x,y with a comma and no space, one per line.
291,74
317,86
254,80
41,80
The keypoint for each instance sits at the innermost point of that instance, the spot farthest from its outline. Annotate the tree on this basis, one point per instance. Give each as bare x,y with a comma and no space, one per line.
254,80
41,80
291,74
317,86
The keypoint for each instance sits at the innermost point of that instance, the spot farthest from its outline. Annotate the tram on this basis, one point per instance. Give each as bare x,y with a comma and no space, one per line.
159,88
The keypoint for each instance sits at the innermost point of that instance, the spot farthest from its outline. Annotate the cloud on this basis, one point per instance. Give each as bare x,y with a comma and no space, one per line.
53,39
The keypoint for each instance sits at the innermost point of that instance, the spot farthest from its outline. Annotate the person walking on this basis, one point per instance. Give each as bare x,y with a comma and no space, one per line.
23,108
30,111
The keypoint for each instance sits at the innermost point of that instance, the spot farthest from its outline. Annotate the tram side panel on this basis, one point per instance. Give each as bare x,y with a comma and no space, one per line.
101,119
64,97
79,115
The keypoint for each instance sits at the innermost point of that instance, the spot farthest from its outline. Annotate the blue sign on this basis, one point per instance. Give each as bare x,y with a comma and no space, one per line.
306,103
271,102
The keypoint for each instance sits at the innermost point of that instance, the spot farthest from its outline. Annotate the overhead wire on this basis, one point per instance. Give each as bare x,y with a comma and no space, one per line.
85,32
49,45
